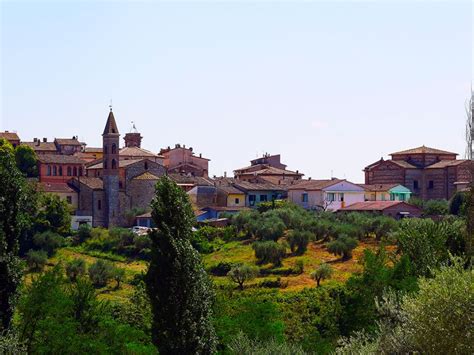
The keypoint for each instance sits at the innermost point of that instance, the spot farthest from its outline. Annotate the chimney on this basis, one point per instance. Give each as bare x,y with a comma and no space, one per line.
200,155
225,174
45,140
35,140
191,149
309,179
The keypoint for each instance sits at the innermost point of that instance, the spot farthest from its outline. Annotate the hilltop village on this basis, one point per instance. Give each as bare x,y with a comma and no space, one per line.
104,185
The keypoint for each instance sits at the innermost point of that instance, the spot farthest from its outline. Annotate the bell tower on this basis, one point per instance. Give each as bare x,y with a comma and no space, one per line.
110,141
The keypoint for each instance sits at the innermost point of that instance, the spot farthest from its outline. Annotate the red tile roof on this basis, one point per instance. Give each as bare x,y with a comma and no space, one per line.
254,186
423,150
93,150
181,179
9,136
446,163
270,170
54,187
59,159
67,141
122,163
42,146
313,184
91,182
137,152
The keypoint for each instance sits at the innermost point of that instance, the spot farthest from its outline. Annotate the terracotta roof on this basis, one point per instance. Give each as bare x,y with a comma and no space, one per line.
42,146
93,150
191,180
9,136
59,159
146,176
403,164
54,187
111,125
373,205
145,215
313,184
92,182
122,163
446,163
378,187
67,141
254,186
229,189
137,152
423,150
270,170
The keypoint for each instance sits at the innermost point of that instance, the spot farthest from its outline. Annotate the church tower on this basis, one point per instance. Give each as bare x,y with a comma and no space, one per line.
110,140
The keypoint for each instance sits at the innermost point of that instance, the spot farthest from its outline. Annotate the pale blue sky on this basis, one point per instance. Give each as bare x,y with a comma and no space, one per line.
329,86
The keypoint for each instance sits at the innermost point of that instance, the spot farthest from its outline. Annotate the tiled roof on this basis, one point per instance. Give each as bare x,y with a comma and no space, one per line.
423,150
59,159
92,182
54,187
146,176
229,189
446,163
67,141
137,152
9,136
270,170
378,187
253,186
194,180
403,164
42,146
313,184
373,205
93,150
122,164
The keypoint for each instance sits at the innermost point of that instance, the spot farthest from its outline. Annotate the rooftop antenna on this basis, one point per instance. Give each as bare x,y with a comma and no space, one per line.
134,128
332,173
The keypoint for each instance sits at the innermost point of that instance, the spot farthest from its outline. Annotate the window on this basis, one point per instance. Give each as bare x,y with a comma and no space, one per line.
60,171
237,200
252,200
431,184
105,164
401,197
330,196
105,149
55,171
120,185
415,184
392,197
99,204
69,199
69,171
263,198
114,164
304,197
75,171
341,197
114,148
146,165
48,171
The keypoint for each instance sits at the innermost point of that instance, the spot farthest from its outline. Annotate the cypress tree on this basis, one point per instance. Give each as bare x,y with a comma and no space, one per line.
14,218
180,291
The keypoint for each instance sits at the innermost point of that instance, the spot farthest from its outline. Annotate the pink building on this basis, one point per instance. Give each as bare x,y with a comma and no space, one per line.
182,160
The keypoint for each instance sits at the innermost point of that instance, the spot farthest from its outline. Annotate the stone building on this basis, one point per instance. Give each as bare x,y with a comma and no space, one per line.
429,173
117,183
12,137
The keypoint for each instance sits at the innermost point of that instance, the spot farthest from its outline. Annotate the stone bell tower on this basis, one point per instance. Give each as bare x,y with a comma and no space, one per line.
110,140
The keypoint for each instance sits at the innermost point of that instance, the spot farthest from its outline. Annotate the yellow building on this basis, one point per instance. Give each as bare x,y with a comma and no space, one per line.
229,196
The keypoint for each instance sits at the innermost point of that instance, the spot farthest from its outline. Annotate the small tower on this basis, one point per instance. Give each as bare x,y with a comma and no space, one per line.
111,139
133,138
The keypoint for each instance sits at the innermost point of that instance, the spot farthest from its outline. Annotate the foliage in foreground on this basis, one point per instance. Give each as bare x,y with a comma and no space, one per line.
180,291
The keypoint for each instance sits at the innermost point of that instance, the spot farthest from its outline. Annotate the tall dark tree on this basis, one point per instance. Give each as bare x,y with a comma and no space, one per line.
14,218
26,160
179,289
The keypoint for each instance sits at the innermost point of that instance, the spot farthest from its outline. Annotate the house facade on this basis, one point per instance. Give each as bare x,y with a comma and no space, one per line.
395,209
256,193
328,195
386,192
182,160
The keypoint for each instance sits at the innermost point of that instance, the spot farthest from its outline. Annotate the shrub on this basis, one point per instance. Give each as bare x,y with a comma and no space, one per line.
75,268
36,259
324,271
298,241
457,204
101,272
118,274
271,228
342,246
299,267
48,241
243,345
240,274
273,283
269,252
221,269
83,233
436,208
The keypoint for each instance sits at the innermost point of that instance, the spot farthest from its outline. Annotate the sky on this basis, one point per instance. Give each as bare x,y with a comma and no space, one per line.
331,86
